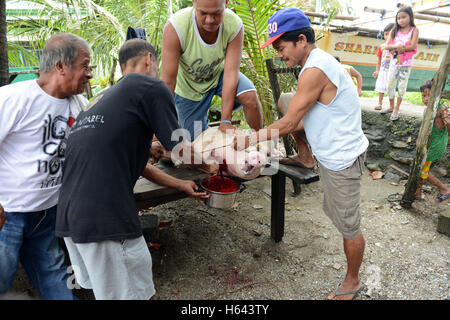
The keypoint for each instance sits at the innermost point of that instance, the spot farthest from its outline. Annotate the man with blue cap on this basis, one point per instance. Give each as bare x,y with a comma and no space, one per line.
326,107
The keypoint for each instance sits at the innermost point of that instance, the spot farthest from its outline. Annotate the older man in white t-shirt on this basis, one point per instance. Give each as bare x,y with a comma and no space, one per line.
35,117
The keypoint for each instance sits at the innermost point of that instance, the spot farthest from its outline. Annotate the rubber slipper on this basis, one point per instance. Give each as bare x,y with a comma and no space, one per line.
386,111
290,161
354,292
394,117
442,197
378,107
420,198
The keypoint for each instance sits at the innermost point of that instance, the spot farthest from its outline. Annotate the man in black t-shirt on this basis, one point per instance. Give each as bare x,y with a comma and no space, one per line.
107,151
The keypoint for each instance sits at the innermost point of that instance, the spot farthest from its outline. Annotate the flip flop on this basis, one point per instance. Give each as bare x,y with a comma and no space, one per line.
386,111
378,107
354,292
420,198
290,161
442,197
394,117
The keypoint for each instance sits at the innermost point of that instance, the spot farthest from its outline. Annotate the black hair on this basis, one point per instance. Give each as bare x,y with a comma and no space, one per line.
426,85
407,10
337,58
136,48
388,27
293,35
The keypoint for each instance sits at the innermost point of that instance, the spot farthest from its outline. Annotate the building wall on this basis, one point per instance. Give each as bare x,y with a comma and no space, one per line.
360,52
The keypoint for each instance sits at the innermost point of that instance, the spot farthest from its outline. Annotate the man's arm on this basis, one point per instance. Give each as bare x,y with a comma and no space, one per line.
171,51
2,217
158,176
230,77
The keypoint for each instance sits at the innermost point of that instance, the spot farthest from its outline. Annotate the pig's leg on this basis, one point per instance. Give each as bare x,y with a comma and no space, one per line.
157,152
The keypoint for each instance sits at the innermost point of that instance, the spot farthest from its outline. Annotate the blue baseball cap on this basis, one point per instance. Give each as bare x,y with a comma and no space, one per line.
285,20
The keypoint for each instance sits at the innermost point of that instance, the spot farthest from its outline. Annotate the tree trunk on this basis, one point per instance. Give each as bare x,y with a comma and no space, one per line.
113,72
4,68
423,139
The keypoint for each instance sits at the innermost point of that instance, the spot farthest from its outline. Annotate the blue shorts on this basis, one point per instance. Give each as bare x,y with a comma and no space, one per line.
197,111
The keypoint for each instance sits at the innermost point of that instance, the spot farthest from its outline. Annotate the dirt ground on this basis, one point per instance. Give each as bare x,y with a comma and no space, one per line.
228,254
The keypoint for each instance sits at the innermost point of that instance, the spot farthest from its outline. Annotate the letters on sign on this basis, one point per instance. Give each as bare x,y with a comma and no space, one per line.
368,49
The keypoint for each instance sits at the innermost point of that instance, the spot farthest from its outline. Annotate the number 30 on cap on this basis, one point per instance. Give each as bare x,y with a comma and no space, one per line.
273,27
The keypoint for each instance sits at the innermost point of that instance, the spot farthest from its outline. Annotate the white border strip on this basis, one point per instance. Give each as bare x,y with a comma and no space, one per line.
178,33
245,92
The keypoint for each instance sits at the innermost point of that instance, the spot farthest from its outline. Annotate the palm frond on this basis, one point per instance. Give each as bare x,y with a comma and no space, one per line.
254,15
102,23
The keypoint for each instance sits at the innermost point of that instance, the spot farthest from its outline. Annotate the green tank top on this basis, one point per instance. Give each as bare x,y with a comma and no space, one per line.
200,63
438,143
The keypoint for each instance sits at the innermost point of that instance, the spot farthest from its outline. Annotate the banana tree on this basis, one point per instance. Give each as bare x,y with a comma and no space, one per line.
103,23
254,15
4,76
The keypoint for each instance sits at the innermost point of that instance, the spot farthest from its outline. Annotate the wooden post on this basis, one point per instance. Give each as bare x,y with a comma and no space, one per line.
275,86
439,81
277,206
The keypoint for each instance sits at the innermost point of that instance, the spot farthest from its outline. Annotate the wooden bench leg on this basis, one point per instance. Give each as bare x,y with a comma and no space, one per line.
277,206
297,188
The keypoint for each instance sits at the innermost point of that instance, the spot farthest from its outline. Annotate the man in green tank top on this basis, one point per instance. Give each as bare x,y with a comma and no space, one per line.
201,55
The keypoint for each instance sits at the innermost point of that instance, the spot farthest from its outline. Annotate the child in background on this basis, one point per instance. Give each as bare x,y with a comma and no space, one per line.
354,74
402,43
436,148
384,58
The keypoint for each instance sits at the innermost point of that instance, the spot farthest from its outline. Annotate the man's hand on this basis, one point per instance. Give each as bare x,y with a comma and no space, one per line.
2,217
227,127
190,188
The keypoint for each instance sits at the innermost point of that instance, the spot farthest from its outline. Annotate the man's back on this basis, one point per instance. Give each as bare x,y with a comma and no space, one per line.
107,150
334,130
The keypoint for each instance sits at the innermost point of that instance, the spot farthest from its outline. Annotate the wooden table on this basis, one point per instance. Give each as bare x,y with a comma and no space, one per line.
149,194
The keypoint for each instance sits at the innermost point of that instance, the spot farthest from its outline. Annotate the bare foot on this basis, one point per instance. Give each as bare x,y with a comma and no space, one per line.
306,160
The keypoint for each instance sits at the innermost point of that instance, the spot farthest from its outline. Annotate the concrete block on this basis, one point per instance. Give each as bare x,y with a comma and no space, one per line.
443,225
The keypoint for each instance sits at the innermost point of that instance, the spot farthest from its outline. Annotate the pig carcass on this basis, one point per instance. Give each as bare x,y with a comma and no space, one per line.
213,146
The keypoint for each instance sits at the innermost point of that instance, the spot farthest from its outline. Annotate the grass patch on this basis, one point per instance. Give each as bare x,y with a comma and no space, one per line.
412,97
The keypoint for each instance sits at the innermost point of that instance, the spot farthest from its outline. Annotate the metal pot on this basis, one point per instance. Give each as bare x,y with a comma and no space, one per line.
222,200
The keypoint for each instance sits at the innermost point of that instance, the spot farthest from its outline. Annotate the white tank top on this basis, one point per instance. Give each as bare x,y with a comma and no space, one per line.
334,131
